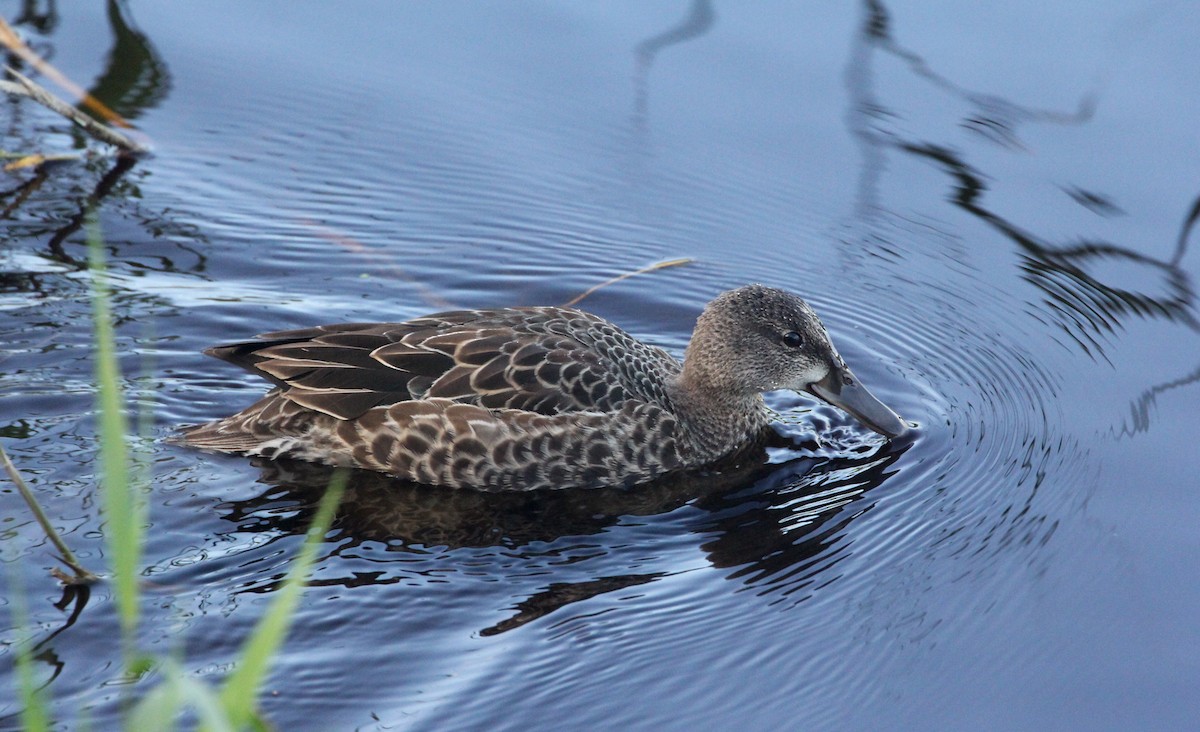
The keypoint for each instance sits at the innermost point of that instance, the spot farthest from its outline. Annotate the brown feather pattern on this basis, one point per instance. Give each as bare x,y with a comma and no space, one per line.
514,398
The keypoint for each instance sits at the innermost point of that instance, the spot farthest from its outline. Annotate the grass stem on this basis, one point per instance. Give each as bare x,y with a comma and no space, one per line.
125,511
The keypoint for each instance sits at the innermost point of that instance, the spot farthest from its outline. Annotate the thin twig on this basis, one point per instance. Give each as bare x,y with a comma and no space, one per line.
101,132
82,575
34,160
656,266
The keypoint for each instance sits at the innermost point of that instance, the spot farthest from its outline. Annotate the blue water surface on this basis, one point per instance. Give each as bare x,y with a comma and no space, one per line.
991,206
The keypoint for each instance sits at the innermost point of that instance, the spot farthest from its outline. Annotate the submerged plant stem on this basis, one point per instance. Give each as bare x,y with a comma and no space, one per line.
82,575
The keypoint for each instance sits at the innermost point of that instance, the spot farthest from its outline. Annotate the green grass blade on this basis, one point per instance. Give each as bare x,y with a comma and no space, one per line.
123,506
35,717
240,693
160,709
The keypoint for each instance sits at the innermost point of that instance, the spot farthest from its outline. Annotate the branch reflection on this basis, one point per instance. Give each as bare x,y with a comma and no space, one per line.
699,20
1089,307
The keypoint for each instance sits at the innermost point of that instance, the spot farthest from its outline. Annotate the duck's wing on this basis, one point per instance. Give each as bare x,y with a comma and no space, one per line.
543,360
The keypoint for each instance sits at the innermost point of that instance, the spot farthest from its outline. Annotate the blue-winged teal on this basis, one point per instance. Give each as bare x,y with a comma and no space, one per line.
538,397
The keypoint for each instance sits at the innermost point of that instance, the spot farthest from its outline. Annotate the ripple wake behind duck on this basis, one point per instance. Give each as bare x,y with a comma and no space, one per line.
526,398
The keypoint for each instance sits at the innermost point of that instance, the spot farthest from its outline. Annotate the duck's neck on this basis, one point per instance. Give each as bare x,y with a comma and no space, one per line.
716,420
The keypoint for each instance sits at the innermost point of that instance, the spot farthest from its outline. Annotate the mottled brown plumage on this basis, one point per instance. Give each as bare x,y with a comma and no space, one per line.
525,398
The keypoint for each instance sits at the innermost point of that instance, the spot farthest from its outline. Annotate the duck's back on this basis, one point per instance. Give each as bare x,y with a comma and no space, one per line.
546,360
517,397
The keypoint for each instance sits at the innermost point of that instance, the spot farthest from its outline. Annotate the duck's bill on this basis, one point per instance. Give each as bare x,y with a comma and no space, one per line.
843,390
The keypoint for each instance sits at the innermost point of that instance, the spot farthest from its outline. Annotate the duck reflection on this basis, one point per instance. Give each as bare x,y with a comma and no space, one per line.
776,525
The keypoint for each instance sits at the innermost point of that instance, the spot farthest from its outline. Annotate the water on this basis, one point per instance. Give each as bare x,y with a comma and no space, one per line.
991,209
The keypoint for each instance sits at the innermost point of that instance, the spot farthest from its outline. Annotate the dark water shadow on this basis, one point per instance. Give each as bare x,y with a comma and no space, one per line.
413,517
14,198
135,77
1080,302
786,530
699,20
101,191
993,118
41,15
73,601
134,80
1089,309
635,149
775,525
1141,407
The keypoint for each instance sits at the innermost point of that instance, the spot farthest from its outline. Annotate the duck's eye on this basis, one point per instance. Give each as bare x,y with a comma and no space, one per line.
793,339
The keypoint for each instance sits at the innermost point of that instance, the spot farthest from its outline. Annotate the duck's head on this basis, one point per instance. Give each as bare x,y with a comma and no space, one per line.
757,338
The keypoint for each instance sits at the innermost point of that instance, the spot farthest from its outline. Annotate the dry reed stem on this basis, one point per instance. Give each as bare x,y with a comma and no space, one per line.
10,39
31,89
652,268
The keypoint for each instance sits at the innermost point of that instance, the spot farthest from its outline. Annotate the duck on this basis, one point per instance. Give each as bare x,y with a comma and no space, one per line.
529,398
